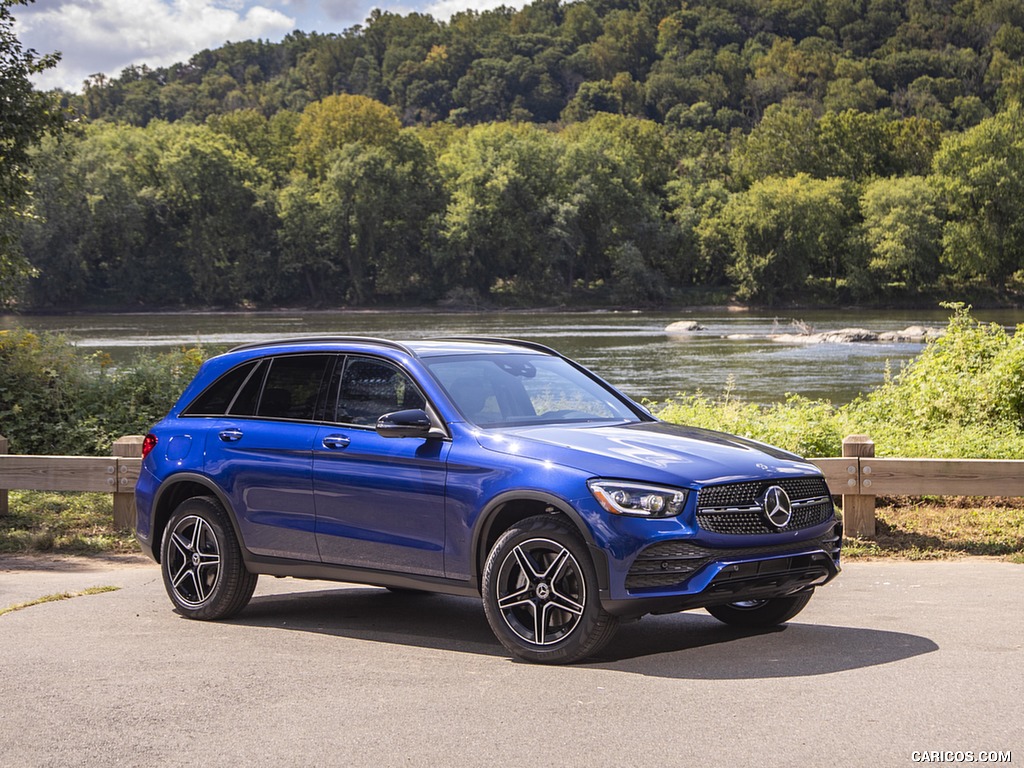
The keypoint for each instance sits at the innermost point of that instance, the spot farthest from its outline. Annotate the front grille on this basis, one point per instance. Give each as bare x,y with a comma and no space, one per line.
742,494
672,562
734,508
751,522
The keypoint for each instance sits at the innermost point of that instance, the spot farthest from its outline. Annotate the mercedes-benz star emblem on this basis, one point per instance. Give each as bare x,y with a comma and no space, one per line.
777,507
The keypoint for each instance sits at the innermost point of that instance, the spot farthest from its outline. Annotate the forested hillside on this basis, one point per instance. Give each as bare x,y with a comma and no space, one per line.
602,151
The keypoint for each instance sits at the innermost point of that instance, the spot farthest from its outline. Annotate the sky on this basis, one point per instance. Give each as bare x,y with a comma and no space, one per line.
105,36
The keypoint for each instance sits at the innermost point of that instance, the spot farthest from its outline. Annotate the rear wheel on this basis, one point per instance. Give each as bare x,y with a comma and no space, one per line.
761,613
201,562
540,593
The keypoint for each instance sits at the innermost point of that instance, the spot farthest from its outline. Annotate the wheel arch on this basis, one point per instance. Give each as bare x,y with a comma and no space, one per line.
175,490
511,507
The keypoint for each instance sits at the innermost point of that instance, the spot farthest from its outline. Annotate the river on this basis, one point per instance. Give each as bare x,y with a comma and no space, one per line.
630,349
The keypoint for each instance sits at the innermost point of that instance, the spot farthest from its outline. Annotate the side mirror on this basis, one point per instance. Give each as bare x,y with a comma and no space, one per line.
411,423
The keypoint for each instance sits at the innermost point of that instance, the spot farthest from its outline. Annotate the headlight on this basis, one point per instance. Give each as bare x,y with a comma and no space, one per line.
637,500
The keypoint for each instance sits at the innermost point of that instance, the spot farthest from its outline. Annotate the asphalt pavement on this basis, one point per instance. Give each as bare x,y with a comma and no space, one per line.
891,660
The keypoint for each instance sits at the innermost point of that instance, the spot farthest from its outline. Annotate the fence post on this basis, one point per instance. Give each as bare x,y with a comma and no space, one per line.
4,509
859,508
128,447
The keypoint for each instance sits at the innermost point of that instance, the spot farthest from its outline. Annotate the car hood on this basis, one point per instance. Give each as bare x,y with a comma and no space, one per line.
650,451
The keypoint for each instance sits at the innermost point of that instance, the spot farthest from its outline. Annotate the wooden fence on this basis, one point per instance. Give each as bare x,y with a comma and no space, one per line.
857,476
104,474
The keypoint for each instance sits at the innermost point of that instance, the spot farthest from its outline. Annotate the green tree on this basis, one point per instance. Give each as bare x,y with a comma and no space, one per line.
51,240
903,229
176,206
306,257
488,90
268,141
364,230
581,24
783,143
26,115
914,141
692,202
846,93
592,97
781,231
800,70
99,236
339,120
218,211
376,206
498,221
627,44
607,219
981,175
853,145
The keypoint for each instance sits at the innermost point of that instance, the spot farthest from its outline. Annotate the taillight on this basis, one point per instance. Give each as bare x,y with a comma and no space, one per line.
148,444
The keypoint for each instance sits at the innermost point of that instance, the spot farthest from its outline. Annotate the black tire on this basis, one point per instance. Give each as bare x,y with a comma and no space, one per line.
201,562
540,593
761,613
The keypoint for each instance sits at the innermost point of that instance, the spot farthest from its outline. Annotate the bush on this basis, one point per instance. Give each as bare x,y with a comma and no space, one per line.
41,381
963,396
56,401
129,400
806,427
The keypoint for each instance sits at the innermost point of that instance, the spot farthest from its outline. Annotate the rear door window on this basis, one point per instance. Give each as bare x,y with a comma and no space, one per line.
292,387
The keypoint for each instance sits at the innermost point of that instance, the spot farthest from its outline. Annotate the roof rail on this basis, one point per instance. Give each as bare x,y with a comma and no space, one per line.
326,340
499,340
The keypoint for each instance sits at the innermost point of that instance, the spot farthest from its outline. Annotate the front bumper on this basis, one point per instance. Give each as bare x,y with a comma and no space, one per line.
678,575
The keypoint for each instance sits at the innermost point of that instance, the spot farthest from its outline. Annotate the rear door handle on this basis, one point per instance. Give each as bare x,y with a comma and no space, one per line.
230,435
336,441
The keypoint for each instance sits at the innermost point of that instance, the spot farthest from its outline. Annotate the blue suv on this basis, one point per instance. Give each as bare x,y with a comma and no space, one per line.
479,467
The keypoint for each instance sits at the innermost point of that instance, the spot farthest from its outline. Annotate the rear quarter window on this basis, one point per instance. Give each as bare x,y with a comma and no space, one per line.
216,398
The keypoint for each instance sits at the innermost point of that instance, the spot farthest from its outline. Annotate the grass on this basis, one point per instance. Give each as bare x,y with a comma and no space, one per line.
943,528
55,597
908,528
63,523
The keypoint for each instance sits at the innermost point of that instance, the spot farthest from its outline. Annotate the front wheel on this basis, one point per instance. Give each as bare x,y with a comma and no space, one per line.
201,562
761,613
540,593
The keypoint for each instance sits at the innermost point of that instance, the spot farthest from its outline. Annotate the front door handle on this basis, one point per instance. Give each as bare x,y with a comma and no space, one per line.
230,435
336,441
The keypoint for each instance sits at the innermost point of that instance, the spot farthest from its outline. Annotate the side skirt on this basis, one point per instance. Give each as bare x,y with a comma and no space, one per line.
299,569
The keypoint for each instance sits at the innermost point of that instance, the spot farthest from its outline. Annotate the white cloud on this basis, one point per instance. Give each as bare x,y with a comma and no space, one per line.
444,9
108,35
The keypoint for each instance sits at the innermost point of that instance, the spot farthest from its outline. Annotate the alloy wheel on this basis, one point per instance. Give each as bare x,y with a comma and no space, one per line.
541,592
195,560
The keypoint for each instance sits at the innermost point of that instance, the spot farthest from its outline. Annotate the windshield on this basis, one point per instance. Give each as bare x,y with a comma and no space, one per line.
493,390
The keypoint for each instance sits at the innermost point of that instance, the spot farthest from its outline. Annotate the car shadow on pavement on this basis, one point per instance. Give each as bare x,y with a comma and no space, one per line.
697,646
684,645
368,613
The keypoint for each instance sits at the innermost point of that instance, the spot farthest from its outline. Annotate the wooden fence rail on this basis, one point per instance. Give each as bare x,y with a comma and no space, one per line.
857,476
100,474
